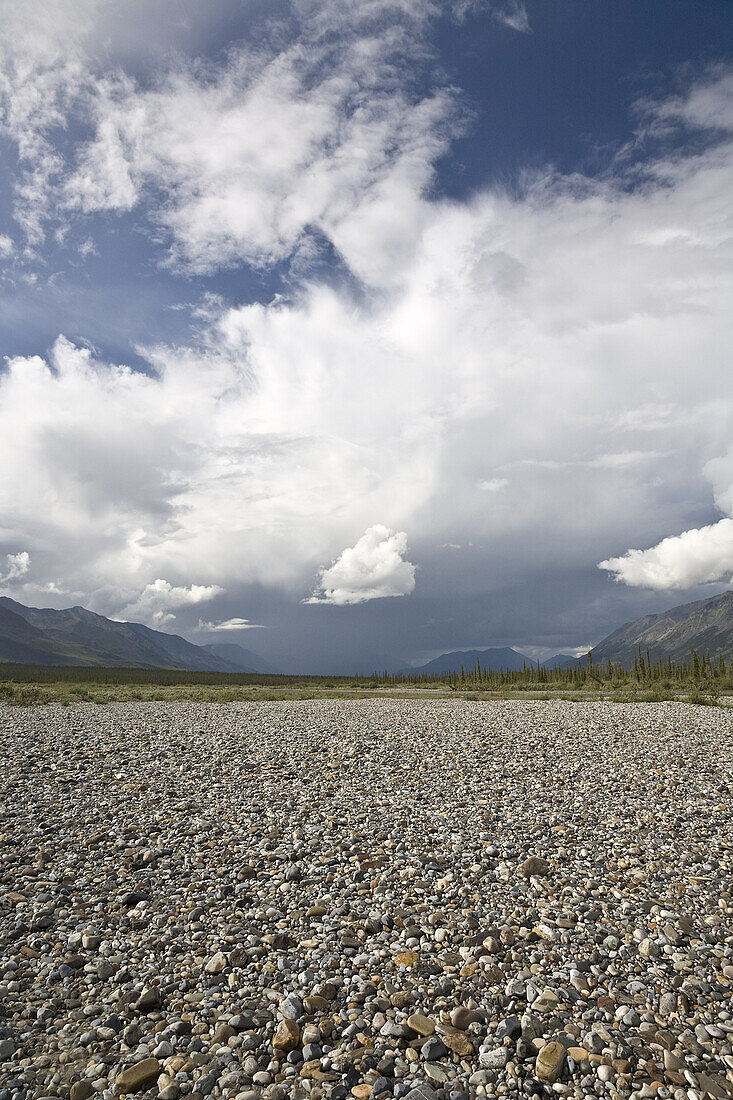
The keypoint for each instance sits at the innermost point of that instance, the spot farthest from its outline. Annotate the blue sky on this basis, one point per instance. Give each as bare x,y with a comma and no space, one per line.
378,326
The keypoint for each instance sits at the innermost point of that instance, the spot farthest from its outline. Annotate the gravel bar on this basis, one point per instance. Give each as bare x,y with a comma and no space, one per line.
366,899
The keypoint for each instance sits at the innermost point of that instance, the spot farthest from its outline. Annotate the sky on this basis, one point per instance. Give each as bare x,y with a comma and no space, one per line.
355,331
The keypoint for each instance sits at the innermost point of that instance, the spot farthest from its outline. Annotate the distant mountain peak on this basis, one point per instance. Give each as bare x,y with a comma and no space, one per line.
494,658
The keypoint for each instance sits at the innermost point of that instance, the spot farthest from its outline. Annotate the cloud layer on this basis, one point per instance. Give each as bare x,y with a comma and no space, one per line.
251,164
509,373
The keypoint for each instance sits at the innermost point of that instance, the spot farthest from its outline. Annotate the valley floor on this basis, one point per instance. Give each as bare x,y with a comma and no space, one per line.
366,899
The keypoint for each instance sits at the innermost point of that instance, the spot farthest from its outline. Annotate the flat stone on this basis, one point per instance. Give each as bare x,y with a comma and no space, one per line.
550,1062
494,1059
546,1002
421,1024
216,963
423,1091
139,1076
435,1073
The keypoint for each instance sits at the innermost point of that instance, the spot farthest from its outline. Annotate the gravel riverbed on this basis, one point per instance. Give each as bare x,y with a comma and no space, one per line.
366,899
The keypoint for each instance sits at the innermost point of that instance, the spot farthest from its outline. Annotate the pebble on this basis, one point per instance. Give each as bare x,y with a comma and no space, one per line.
334,899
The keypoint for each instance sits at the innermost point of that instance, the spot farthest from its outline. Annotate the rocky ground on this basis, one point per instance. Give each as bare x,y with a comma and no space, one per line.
347,899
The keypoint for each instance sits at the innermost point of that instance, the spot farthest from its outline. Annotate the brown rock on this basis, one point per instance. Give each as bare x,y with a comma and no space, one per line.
533,865
281,941
287,1036
223,1033
175,1063
402,998
139,1075
310,1069
461,1017
457,1042
80,1090
550,1062
579,1055
421,1024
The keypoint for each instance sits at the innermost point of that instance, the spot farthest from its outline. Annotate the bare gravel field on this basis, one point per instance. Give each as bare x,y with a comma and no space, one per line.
431,899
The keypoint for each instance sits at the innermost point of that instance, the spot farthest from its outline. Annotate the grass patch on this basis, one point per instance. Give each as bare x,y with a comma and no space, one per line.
71,686
65,694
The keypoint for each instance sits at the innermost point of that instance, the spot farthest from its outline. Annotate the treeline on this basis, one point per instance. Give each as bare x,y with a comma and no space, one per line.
77,674
698,670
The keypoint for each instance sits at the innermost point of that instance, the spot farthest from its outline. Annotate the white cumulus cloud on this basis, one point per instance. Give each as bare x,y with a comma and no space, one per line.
17,566
375,567
697,556
158,601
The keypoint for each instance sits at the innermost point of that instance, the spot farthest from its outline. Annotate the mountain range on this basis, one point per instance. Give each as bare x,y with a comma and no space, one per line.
493,659
706,626
75,636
